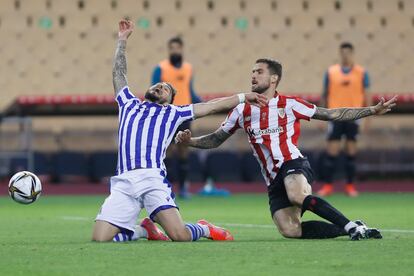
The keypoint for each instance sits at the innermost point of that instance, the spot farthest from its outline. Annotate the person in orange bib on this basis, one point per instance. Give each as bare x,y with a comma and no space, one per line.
345,85
179,74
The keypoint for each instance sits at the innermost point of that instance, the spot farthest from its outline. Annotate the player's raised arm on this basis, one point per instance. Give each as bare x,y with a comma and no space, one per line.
209,141
226,103
119,69
349,114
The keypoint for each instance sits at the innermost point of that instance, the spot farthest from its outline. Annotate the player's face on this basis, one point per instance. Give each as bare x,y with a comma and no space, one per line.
261,78
159,93
347,55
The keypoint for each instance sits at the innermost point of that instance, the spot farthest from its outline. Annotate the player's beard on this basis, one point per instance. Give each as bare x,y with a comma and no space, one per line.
261,88
151,97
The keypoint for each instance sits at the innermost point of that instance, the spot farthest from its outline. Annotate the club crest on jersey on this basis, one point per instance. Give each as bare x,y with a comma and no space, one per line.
281,112
248,119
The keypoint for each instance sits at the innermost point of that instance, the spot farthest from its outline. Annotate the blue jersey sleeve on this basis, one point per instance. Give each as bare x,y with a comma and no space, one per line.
156,75
366,81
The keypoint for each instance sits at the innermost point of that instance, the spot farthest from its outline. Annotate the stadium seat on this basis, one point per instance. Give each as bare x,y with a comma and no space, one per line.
223,166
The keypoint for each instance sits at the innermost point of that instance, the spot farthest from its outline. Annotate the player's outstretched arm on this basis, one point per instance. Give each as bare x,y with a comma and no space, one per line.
209,141
119,69
350,114
226,103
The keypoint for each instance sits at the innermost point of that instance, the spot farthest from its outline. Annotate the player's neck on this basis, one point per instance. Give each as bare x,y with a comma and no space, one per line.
270,93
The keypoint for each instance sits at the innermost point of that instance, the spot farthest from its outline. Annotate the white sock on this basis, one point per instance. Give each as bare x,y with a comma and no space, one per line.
140,232
206,230
350,225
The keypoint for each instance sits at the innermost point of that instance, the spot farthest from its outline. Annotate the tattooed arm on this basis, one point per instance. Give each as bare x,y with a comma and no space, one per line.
209,141
349,114
119,69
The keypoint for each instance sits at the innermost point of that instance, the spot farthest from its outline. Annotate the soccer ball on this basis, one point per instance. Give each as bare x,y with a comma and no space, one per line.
25,187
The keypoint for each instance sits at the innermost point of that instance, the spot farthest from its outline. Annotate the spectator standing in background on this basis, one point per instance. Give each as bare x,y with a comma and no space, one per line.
345,85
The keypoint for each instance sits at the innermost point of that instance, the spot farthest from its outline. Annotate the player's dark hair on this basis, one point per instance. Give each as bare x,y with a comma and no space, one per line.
274,66
173,92
346,45
176,39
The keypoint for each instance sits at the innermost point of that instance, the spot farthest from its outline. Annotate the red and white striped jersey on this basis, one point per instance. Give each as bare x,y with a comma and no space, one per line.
273,130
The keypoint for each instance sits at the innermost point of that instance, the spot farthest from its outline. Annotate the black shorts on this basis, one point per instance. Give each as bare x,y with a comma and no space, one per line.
278,198
338,129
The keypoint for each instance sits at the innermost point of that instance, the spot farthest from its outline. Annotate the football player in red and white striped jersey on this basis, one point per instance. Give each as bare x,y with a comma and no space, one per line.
273,132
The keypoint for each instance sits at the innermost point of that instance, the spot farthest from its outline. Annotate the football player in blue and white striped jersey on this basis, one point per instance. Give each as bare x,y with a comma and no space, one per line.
146,128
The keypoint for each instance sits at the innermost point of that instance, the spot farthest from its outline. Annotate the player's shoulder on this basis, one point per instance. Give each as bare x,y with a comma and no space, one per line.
295,99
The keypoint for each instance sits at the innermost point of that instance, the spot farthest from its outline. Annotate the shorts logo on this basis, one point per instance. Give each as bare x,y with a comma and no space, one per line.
281,112
289,171
168,198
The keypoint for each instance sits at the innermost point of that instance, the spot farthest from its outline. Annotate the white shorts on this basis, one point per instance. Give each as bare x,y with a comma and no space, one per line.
132,191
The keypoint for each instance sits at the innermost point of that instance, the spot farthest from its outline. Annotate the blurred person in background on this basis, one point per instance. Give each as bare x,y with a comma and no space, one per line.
179,74
345,85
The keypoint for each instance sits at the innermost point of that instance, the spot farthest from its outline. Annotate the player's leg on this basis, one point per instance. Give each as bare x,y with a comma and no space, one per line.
351,151
333,149
104,231
116,218
288,222
298,191
159,203
174,226
118,214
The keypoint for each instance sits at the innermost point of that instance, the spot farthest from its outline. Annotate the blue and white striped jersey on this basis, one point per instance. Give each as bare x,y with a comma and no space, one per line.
146,130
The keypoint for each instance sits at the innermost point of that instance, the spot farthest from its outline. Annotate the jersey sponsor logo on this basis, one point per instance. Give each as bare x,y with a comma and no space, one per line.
281,112
254,133
264,116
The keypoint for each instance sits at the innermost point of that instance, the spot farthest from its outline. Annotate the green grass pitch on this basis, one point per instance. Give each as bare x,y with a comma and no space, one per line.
52,237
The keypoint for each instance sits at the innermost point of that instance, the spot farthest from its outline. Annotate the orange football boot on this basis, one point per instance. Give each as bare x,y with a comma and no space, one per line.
154,233
350,190
326,190
217,233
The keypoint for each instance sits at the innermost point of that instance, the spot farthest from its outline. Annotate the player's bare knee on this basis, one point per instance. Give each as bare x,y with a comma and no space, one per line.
291,231
101,238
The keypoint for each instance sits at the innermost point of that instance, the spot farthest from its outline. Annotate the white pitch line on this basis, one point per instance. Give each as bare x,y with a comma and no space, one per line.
75,218
242,225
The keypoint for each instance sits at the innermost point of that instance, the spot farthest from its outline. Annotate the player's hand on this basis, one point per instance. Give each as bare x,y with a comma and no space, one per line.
383,107
183,137
125,29
256,99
